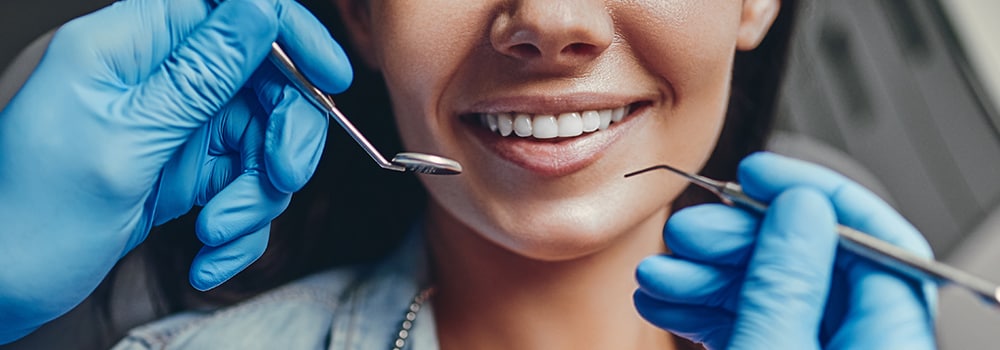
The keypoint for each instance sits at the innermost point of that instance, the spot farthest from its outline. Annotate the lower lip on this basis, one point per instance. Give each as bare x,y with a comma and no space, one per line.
558,156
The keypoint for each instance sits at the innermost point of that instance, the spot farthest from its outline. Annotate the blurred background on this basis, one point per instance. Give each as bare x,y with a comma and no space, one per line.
902,95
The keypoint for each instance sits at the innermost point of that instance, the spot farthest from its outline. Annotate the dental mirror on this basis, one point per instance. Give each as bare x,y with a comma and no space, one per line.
427,164
407,161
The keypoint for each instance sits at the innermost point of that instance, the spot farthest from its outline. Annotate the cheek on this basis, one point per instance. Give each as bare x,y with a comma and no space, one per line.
690,47
688,44
419,54
420,44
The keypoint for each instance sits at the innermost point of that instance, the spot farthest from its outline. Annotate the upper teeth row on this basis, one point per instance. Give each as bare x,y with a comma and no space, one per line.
547,126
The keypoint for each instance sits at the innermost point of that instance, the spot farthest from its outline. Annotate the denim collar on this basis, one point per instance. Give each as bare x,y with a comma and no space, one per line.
378,303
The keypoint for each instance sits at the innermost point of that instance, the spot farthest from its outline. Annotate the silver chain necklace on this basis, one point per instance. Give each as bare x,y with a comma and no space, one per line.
411,317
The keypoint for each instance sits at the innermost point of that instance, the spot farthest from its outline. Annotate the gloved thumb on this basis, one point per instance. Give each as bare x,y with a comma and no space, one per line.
204,72
788,277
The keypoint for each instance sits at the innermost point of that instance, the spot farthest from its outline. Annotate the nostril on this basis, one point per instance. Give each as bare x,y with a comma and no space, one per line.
579,49
525,51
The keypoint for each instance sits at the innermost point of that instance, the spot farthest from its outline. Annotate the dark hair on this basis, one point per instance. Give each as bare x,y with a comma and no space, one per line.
757,78
330,222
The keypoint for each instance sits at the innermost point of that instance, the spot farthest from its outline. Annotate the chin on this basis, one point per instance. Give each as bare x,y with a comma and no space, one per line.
559,237
573,229
556,219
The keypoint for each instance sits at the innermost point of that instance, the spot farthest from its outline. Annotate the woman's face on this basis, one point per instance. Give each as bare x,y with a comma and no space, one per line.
548,103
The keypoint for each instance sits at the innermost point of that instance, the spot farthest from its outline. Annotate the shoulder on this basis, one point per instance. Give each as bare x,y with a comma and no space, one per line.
358,307
297,315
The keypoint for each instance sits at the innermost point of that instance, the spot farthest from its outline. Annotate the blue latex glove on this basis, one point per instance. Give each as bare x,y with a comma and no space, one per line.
137,113
738,281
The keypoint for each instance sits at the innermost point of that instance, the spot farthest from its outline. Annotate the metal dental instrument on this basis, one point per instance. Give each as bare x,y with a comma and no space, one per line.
858,242
407,161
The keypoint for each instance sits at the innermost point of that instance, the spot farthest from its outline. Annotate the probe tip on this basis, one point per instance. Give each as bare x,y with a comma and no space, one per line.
655,167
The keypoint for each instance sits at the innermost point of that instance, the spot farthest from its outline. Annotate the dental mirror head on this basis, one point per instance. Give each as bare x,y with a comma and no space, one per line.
427,164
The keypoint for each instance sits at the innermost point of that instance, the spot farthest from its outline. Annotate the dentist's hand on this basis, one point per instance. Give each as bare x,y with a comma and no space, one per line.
738,281
137,113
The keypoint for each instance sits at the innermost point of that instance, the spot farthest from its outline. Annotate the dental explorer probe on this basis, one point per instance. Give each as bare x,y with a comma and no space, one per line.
858,242
406,161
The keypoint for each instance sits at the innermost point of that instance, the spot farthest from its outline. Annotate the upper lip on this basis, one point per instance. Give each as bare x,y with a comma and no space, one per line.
552,104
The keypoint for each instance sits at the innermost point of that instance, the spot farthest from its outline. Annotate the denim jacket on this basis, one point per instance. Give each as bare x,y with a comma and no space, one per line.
359,307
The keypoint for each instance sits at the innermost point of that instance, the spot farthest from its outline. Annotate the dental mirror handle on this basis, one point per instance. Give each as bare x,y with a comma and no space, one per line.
416,162
284,63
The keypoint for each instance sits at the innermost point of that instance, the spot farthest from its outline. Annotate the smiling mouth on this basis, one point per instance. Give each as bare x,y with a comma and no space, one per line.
545,126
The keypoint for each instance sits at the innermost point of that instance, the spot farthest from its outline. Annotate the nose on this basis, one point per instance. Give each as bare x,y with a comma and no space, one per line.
553,34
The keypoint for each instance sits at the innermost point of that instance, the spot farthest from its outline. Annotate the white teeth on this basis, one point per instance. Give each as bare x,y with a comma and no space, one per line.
491,119
570,124
545,127
522,125
605,118
617,114
505,122
591,121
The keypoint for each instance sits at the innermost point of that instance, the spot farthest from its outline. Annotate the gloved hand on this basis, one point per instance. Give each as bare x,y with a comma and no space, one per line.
738,281
137,113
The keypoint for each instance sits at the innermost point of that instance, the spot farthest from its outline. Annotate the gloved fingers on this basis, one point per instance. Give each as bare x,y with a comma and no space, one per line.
881,306
214,265
885,311
221,171
232,123
251,144
296,136
307,42
712,233
296,131
680,281
235,143
701,324
788,276
157,26
182,178
269,85
863,210
764,175
208,161
885,224
245,205
855,207
205,71
315,53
